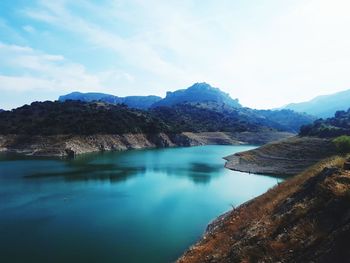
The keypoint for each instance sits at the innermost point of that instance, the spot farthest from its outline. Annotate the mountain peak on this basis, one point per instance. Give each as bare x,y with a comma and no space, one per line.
198,92
201,85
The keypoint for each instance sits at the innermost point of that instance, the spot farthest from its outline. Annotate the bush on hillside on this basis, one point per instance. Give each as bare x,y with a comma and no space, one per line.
342,143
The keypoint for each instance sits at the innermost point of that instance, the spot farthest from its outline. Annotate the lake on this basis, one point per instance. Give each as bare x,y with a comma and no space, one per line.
133,206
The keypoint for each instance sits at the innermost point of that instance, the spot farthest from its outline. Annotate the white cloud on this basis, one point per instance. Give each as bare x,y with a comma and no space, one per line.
267,53
34,73
35,70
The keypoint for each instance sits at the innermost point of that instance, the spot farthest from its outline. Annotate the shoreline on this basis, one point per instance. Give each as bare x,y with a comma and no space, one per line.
283,223
72,145
286,157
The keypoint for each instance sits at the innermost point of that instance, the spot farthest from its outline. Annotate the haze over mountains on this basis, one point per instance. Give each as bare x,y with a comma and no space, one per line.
198,92
138,102
199,108
323,106
202,107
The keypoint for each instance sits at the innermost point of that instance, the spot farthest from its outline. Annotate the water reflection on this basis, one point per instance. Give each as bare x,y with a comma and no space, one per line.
134,206
118,167
81,171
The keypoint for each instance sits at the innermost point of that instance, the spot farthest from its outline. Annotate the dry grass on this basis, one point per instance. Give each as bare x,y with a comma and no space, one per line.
238,234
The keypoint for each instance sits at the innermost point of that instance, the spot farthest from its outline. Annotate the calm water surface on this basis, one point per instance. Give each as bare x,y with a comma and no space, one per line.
135,206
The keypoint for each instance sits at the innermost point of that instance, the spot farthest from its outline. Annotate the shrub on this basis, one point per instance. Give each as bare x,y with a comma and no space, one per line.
342,143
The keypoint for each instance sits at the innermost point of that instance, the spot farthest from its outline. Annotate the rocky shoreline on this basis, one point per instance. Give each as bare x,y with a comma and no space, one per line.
303,219
71,145
286,157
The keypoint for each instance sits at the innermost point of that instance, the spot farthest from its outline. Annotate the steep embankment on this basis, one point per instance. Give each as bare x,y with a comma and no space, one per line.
304,219
62,145
286,157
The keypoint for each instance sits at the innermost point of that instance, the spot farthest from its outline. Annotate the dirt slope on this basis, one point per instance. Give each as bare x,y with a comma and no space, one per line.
304,219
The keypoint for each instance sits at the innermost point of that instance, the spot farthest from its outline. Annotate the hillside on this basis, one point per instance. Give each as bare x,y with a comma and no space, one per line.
74,117
53,128
304,219
196,118
198,92
287,119
212,116
331,127
286,157
137,102
293,155
202,107
323,106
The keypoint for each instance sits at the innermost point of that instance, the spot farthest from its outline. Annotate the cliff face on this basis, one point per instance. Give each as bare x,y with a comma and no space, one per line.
63,145
304,219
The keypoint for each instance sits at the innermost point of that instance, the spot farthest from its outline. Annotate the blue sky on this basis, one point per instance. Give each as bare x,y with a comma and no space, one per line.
266,53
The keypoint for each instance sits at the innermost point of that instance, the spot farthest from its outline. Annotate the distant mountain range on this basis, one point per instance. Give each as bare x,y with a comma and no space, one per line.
88,118
138,102
323,106
199,92
199,108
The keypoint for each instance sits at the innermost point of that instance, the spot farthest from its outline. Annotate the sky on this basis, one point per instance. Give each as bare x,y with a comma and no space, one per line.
265,53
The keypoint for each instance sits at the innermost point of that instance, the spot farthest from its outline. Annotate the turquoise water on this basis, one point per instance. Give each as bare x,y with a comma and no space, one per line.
134,206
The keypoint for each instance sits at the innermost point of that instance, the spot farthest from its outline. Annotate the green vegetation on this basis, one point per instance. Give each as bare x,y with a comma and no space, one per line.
196,118
212,116
342,143
74,117
329,128
86,118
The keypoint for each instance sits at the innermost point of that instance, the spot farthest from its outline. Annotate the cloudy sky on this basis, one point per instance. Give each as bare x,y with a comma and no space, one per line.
266,53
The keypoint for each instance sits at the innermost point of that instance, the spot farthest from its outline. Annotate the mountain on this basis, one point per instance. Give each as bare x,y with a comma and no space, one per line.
137,102
287,119
76,117
198,92
323,106
200,118
331,127
200,108
212,116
